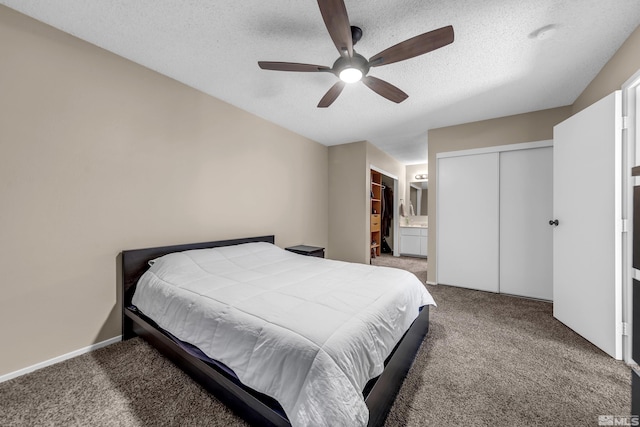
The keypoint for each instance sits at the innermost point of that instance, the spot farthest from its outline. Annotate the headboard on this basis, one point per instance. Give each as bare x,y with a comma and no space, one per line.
135,262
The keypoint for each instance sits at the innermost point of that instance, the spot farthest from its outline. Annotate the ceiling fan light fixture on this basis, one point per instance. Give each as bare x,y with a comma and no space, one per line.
350,75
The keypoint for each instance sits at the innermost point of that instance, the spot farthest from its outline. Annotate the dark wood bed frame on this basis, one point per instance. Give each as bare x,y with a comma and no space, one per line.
255,408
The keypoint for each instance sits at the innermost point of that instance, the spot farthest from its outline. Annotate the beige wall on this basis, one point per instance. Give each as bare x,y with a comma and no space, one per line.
349,201
535,126
624,64
97,155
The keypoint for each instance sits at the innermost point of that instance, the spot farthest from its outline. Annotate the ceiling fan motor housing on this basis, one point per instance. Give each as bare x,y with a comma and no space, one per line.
356,61
356,34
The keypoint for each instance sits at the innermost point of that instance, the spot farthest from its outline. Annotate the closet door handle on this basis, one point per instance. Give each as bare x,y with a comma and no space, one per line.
554,222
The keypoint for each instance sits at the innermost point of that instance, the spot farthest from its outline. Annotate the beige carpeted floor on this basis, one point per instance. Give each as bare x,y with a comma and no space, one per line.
489,360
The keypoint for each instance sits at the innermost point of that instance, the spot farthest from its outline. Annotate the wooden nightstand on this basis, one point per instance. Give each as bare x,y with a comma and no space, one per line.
307,250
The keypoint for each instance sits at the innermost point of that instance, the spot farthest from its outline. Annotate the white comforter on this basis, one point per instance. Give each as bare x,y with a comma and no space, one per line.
307,331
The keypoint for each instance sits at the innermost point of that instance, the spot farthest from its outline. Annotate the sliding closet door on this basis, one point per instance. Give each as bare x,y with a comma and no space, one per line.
467,221
526,238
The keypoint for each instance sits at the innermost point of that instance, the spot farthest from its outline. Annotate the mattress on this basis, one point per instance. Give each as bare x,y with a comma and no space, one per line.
309,332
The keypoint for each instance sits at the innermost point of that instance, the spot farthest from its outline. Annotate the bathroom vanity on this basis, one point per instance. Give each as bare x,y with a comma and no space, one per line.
413,240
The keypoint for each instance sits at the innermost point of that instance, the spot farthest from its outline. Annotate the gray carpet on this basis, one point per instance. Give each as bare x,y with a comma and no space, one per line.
489,360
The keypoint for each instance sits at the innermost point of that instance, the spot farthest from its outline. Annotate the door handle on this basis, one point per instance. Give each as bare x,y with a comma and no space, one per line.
554,222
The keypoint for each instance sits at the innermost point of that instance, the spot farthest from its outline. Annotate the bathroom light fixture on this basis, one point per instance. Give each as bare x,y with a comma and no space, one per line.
422,176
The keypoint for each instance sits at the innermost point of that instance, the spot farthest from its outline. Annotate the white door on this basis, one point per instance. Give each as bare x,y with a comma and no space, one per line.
467,218
526,239
587,288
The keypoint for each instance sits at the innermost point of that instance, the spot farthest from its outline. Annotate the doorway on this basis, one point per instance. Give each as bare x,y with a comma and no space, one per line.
383,223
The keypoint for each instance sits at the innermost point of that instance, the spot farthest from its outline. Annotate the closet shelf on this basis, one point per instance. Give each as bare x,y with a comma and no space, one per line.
376,209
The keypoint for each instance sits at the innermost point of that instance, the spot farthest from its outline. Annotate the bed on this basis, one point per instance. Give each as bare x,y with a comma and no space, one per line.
271,267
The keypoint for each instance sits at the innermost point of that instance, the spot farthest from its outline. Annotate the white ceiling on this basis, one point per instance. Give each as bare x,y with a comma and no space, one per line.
493,68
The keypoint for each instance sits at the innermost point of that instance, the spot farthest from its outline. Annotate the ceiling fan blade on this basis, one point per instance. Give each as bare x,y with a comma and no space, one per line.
414,46
385,89
291,66
334,13
331,95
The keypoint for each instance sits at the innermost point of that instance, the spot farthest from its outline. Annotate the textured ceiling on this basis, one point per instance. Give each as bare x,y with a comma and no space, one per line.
494,67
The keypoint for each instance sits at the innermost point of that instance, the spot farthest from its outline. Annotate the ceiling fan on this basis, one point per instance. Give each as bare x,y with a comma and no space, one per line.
351,67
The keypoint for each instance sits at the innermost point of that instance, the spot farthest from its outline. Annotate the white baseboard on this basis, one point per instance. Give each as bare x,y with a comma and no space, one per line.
430,283
59,359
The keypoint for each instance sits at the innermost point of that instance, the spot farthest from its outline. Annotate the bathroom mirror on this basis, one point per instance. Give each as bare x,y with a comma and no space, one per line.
418,197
